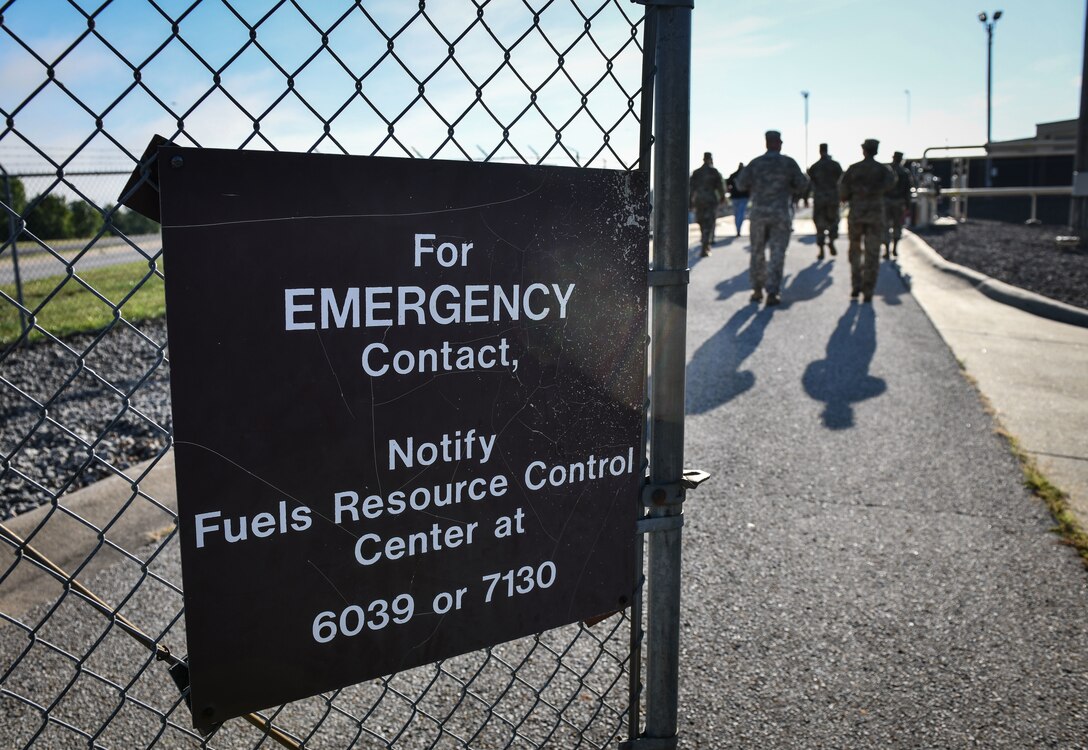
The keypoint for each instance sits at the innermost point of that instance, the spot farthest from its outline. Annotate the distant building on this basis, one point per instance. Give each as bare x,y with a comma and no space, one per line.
1044,160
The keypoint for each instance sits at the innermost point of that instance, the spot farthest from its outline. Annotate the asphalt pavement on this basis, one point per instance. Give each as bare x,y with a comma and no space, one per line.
864,569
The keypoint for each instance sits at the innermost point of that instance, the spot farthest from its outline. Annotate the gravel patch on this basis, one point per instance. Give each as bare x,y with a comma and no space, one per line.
1018,254
74,412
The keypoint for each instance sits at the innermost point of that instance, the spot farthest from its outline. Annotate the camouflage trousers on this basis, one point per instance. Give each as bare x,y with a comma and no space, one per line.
775,234
826,216
864,264
706,214
893,212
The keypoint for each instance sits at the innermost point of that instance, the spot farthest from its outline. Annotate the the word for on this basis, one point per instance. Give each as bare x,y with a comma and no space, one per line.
447,254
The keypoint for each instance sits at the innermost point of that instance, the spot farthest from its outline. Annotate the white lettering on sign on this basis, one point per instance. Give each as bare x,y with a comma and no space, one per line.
457,447
447,254
378,359
538,475
348,506
371,548
261,525
444,305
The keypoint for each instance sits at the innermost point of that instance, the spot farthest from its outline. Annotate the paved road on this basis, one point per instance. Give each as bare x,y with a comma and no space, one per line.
864,569
35,263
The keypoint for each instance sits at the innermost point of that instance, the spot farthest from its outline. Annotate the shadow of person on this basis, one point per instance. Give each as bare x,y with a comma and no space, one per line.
808,284
731,286
890,283
695,255
714,375
842,379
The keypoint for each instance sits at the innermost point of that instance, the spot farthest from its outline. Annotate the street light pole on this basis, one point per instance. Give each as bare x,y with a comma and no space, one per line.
989,24
1078,218
805,95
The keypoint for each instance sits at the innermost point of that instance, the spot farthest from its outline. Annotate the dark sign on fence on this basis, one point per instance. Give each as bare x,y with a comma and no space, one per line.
407,401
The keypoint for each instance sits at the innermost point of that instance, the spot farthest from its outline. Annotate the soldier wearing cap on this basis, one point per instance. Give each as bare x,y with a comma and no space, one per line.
863,187
896,201
772,180
706,193
824,176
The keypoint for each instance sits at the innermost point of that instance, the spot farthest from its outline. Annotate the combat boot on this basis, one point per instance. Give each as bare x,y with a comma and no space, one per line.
820,255
757,295
831,247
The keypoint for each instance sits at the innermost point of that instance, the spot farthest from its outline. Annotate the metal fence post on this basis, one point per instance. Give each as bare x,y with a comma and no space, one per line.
671,155
13,233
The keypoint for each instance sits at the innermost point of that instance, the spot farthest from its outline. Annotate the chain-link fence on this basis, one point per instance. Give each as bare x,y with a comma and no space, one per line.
90,587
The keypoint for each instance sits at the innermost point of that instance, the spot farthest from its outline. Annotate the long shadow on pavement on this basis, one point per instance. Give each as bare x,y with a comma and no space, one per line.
842,379
808,284
731,286
714,374
890,284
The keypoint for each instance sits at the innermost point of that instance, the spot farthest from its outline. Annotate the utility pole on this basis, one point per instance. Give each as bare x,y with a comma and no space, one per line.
805,95
1078,213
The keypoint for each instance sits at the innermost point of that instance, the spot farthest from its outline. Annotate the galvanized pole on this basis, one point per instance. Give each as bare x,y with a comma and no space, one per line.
672,115
13,235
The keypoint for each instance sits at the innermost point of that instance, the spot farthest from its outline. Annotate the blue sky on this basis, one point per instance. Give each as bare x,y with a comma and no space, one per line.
857,58
751,59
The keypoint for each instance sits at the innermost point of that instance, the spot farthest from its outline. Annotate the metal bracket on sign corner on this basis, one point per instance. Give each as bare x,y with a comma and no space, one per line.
673,493
651,743
661,277
694,477
667,3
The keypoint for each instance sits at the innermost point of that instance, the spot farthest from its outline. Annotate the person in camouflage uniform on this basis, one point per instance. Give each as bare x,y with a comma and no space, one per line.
863,187
772,180
707,192
896,201
824,175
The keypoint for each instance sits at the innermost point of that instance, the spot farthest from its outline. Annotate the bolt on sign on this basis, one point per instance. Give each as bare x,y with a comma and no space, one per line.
407,401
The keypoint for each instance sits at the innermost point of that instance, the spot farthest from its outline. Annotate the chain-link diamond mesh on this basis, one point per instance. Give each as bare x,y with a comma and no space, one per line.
91,625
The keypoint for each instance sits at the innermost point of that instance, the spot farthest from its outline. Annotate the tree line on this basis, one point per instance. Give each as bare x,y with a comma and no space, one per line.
50,217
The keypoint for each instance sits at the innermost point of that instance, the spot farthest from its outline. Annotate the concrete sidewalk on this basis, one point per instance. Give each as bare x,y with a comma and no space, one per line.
1032,370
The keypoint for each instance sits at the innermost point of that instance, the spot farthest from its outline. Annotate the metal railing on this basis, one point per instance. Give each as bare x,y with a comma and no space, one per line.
91,598
1008,192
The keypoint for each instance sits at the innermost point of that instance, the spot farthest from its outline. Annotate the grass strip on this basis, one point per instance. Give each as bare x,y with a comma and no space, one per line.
72,308
1056,500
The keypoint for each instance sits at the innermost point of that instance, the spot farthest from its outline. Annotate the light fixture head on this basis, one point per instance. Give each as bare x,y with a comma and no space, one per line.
982,17
997,14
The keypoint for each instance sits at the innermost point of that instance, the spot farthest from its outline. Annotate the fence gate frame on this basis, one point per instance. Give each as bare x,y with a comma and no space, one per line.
664,122
668,36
